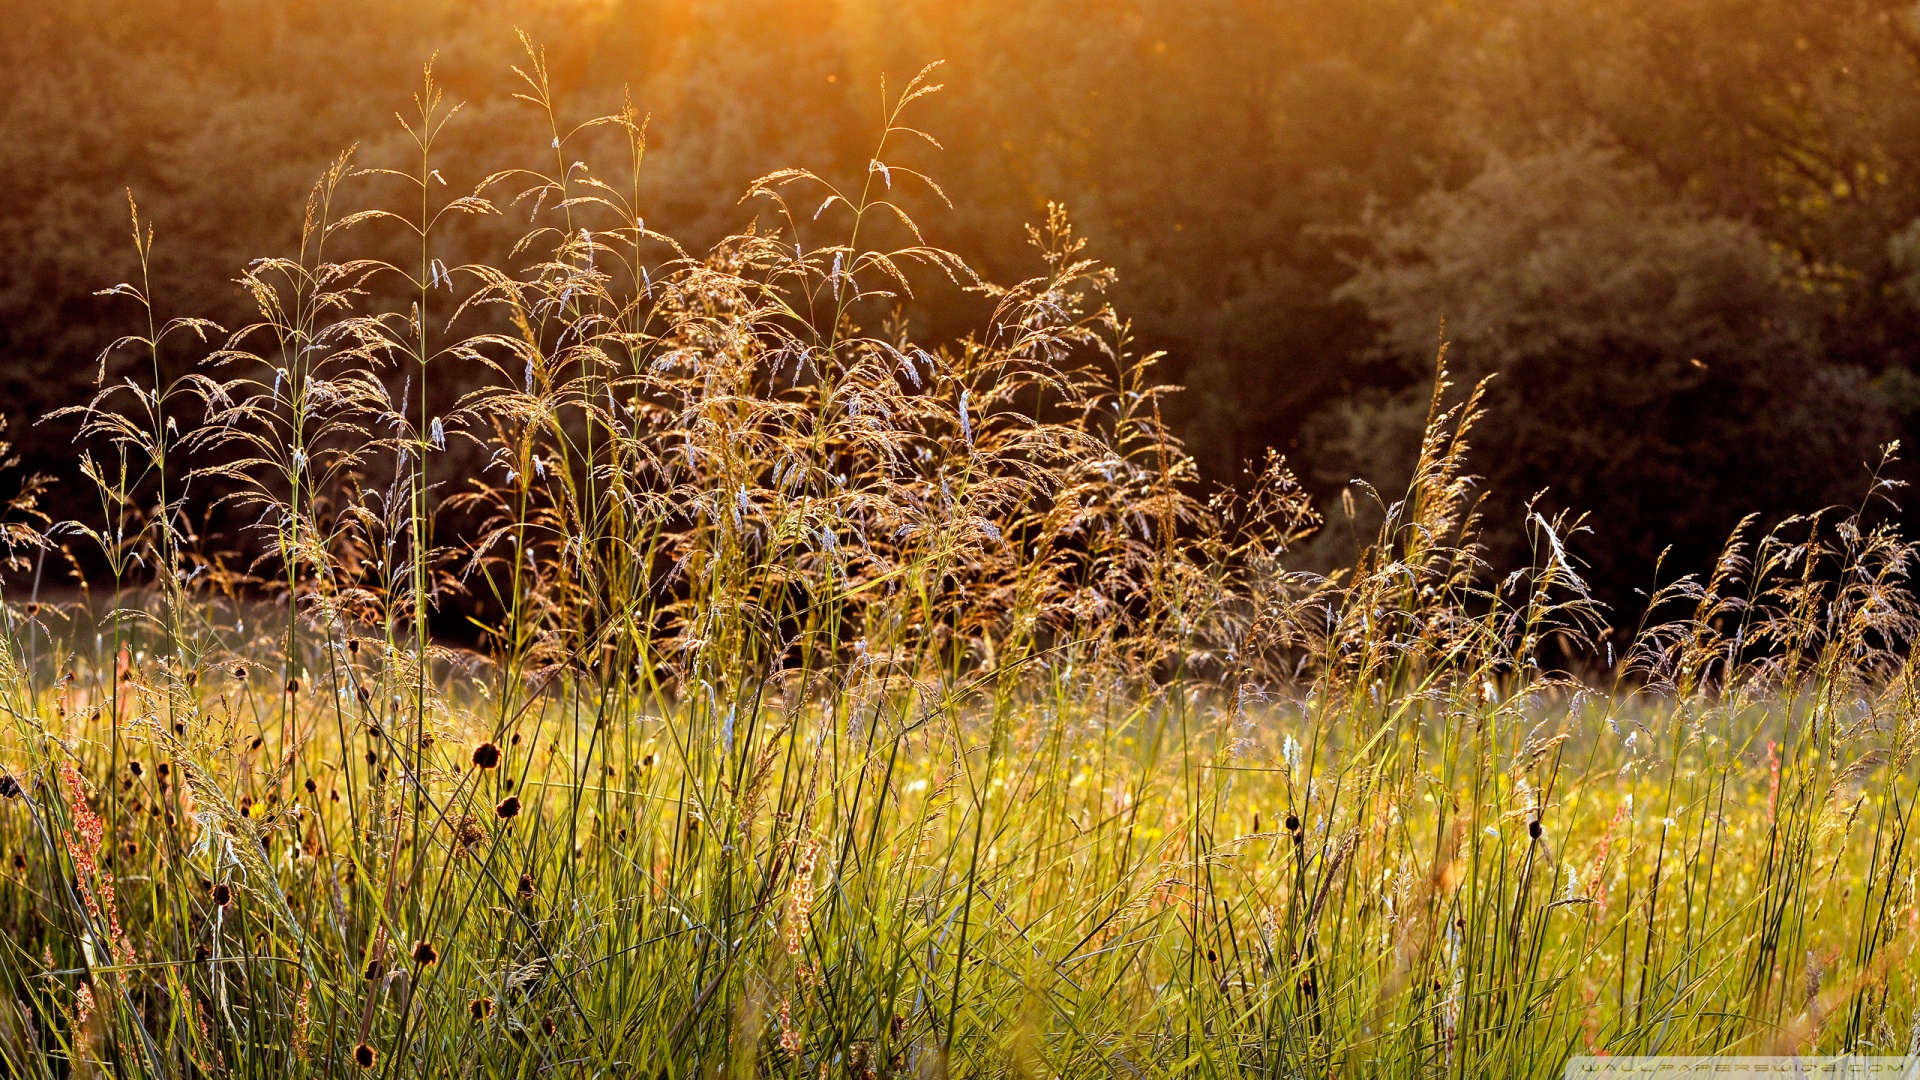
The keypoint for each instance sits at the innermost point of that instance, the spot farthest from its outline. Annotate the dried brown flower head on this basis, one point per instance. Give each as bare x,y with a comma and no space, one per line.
486,756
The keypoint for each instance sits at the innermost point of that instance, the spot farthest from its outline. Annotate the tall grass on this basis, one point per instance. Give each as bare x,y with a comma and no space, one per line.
844,707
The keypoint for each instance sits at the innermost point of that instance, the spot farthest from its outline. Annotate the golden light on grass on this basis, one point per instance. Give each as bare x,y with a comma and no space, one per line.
895,701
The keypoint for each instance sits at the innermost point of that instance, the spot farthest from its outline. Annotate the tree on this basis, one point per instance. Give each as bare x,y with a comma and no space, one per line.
1652,363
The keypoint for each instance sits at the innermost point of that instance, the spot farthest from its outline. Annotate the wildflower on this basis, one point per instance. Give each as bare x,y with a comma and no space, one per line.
303,1020
800,900
789,1035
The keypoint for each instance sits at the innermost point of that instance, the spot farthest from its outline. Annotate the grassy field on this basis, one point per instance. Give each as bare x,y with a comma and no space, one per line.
834,706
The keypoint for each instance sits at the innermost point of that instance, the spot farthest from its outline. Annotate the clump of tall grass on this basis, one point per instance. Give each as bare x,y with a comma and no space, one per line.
847,707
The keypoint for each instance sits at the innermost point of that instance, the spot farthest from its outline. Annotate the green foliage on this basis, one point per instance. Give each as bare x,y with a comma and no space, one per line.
1655,368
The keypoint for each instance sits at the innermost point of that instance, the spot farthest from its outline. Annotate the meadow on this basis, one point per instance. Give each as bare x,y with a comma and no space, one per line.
827,705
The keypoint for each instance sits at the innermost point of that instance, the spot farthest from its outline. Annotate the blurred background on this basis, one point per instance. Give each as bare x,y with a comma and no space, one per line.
1685,233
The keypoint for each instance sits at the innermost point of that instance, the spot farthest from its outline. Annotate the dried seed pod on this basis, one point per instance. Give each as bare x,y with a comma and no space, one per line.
486,756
